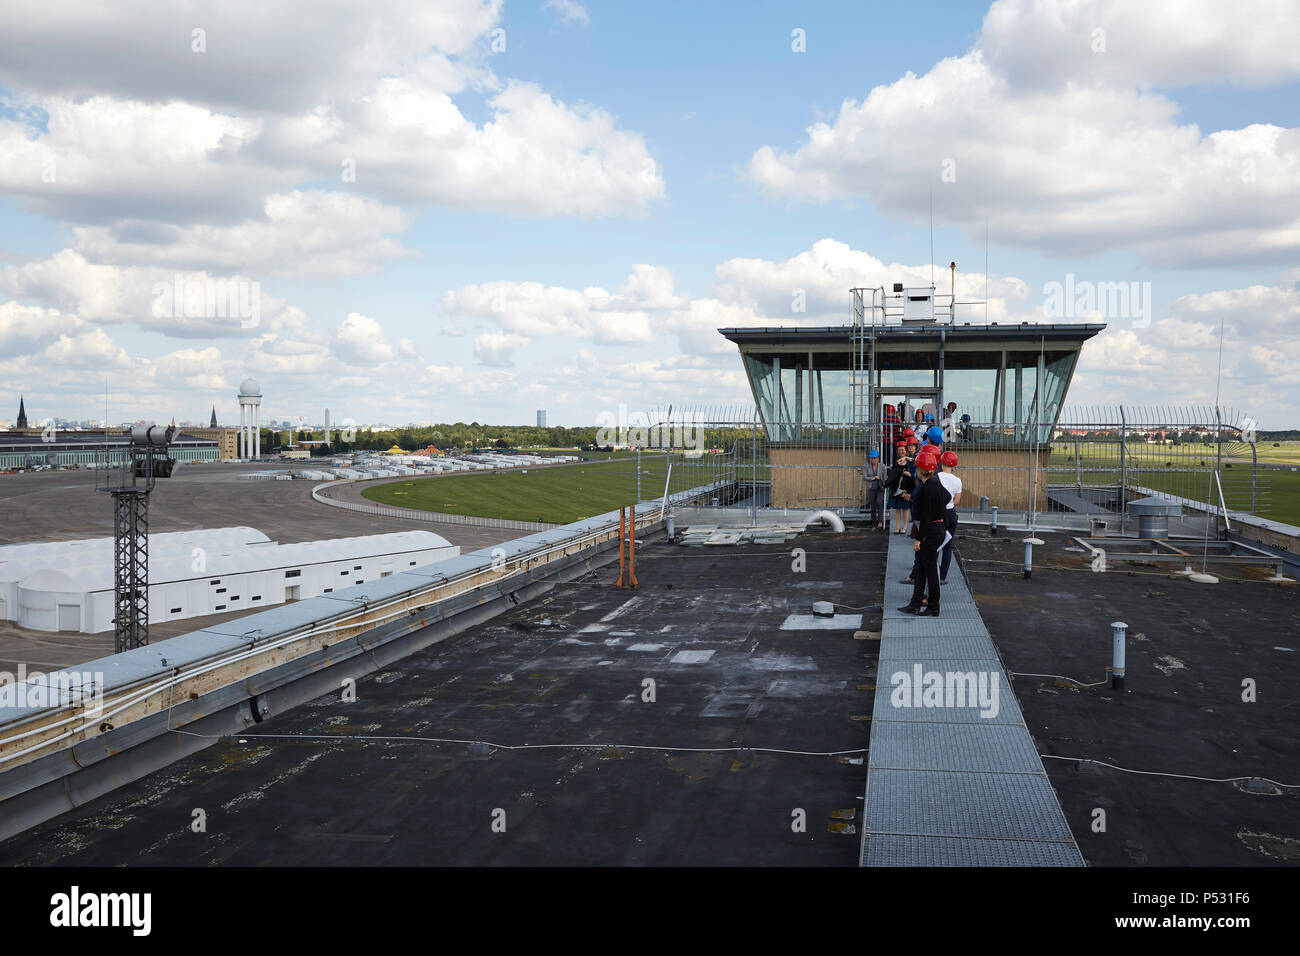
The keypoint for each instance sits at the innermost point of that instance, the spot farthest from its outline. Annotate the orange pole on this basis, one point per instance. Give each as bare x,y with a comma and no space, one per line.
631,547
622,515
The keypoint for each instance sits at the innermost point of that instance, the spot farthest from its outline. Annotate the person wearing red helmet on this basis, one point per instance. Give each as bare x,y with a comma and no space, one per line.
953,485
912,443
899,483
892,427
930,525
935,452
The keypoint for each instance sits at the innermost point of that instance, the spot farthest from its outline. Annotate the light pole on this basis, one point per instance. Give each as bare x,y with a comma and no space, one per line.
146,459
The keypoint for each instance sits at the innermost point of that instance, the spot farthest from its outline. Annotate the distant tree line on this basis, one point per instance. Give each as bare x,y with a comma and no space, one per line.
1139,436
455,437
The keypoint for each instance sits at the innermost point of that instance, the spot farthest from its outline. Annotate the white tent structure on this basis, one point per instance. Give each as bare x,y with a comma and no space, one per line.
68,585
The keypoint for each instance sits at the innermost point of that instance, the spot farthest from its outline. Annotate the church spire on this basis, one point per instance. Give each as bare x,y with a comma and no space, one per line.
213,423
22,413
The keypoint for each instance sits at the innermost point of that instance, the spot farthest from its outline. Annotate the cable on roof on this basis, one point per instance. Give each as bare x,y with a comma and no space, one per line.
455,740
1064,567
1060,677
1180,776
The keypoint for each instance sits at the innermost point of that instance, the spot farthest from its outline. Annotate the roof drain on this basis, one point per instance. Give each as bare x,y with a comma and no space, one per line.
829,517
255,707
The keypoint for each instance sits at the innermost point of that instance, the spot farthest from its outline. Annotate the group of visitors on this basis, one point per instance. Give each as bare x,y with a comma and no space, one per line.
922,490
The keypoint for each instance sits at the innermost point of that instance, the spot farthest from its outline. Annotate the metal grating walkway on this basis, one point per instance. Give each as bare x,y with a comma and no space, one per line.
953,776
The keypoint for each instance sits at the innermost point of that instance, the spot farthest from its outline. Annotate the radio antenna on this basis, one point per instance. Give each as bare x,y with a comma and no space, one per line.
932,241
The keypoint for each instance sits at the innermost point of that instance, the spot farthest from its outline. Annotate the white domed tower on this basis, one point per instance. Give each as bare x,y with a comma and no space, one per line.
250,419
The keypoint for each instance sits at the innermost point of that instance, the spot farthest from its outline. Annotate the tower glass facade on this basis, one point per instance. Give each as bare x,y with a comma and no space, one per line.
1011,387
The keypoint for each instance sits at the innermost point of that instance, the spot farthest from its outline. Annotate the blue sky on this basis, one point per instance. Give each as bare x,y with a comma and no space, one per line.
496,190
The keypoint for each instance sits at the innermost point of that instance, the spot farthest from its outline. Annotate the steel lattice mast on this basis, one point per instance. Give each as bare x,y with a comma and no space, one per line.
146,460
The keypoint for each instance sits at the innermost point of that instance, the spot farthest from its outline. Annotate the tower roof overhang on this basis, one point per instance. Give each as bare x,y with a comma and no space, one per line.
923,337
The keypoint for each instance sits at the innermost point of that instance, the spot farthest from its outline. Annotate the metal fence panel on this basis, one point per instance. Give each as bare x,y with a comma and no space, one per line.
1092,462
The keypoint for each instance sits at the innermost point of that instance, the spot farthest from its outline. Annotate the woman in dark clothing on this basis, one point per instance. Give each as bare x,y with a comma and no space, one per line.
899,484
931,500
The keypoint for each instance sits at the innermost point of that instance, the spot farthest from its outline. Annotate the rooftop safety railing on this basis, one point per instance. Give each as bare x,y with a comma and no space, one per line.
1091,462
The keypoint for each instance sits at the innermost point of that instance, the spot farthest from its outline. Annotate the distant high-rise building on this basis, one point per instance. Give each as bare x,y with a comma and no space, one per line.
213,423
541,418
22,414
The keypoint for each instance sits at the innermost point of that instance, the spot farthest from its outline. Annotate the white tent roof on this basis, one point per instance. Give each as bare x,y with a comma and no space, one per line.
74,566
17,561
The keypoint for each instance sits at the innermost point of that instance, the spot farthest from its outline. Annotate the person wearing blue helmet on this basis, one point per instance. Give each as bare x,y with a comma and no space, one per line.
876,476
935,434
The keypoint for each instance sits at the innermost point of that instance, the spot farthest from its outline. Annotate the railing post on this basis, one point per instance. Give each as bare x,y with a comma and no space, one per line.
631,547
1254,476
1123,469
1078,477
622,536
1218,440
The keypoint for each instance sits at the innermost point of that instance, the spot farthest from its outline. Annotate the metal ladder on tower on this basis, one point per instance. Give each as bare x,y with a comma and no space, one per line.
864,427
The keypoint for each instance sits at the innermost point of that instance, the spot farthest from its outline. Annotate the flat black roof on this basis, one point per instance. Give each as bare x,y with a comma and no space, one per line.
1076,332
566,668
1189,648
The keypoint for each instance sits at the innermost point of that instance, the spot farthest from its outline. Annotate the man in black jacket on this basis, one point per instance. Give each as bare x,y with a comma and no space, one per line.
931,500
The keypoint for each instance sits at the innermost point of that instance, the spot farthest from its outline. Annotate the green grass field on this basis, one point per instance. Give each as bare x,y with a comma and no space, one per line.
556,495
571,492
1287,452
1278,495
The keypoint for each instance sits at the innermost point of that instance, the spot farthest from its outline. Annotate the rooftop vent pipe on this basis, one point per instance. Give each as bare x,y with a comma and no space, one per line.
835,522
1118,629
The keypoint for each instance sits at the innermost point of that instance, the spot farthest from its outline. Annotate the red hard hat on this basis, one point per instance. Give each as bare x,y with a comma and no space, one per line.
902,445
908,433
926,462
949,459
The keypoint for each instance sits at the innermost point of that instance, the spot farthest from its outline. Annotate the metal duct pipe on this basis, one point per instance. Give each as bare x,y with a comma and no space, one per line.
830,517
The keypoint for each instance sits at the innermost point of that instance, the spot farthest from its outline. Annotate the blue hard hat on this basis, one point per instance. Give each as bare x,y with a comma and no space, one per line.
935,435
929,418
874,454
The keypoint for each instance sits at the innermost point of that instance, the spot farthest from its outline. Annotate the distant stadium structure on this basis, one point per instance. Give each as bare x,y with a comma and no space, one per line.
68,585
